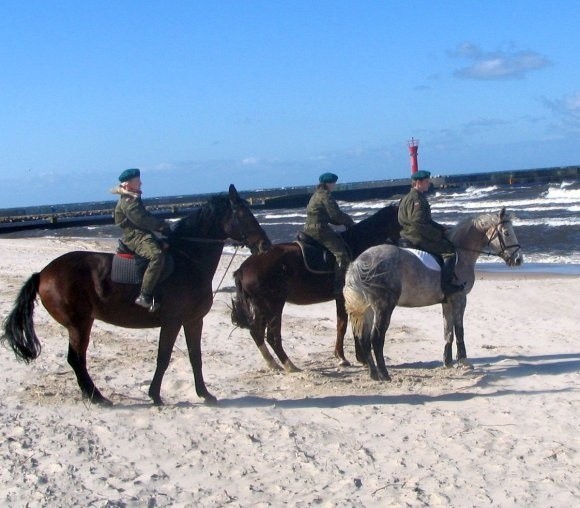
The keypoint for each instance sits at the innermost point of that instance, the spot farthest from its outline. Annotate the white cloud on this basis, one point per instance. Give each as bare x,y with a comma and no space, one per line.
497,65
250,161
568,108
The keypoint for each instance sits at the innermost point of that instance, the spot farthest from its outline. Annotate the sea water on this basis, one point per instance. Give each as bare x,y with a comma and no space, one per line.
546,219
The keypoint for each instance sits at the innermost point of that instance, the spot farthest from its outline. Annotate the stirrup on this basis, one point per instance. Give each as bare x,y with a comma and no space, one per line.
147,303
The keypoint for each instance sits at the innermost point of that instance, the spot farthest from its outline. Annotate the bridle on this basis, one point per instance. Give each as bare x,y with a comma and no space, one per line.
235,243
503,246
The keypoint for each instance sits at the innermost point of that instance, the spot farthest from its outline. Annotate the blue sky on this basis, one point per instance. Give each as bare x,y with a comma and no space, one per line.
201,94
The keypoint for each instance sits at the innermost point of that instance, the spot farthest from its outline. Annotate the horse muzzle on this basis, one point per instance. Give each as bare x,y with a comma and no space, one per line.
515,258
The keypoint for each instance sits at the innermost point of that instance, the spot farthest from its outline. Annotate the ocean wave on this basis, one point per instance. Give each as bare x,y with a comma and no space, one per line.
282,215
539,203
562,193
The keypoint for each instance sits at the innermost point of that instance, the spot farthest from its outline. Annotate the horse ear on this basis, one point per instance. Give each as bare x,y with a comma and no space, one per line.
234,196
502,213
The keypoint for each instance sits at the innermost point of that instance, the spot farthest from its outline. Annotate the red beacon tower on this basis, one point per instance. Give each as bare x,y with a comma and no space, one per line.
413,152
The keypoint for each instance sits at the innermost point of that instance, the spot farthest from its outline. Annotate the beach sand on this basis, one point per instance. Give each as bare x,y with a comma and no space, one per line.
502,434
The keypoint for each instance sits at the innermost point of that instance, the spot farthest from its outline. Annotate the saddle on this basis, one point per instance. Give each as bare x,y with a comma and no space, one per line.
317,258
431,261
128,267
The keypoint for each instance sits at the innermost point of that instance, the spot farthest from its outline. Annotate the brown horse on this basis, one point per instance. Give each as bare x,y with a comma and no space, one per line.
265,282
76,288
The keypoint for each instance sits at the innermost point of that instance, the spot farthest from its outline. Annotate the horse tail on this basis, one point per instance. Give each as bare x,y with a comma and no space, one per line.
19,327
357,304
242,313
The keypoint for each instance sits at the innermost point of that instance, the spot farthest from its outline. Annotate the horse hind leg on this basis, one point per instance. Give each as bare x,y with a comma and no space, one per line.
379,331
77,358
258,333
274,338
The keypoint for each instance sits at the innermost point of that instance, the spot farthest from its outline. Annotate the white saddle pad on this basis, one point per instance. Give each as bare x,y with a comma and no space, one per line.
427,259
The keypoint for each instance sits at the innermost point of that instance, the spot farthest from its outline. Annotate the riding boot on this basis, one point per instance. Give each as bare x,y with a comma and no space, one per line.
447,274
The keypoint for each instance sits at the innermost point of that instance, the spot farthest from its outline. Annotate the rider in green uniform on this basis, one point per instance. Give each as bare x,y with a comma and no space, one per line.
423,233
138,226
321,211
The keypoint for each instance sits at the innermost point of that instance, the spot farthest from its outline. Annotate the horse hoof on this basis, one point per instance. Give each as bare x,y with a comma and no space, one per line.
343,362
210,400
290,368
97,398
463,363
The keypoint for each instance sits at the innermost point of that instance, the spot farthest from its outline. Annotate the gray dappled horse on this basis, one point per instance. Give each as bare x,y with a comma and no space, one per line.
387,276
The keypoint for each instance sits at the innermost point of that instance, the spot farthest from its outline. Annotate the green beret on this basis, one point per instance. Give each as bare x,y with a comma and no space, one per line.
328,178
421,175
126,175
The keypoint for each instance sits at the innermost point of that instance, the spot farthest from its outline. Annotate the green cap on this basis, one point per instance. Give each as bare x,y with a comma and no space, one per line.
421,175
126,175
328,178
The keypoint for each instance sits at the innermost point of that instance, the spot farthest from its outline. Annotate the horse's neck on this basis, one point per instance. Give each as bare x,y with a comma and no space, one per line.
204,256
370,232
469,241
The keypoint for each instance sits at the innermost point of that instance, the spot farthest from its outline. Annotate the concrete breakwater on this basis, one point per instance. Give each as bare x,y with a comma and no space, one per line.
98,213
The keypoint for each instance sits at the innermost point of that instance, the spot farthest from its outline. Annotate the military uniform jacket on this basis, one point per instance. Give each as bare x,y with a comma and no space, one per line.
135,221
322,210
418,226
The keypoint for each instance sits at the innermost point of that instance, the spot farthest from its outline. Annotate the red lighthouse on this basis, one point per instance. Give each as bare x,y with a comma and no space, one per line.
413,152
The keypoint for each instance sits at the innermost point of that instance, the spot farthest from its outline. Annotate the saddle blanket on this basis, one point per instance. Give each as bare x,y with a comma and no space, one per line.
427,259
129,269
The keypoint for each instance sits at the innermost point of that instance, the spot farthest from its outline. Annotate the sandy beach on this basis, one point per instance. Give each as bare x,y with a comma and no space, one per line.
502,434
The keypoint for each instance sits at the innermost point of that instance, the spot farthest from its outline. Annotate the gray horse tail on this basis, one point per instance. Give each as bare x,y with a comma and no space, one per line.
357,304
18,326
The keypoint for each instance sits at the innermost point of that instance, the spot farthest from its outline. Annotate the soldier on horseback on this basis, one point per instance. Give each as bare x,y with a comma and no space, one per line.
138,226
321,211
423,233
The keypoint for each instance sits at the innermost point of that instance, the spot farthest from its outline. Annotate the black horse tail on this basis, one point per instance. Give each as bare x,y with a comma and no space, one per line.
19,326
242,313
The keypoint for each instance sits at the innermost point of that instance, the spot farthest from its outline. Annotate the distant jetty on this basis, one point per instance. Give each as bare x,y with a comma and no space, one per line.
100,213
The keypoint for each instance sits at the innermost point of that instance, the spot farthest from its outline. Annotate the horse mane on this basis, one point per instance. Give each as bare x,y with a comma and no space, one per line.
202,217
480,222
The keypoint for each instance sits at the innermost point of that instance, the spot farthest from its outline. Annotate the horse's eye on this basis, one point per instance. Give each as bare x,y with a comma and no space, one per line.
506,234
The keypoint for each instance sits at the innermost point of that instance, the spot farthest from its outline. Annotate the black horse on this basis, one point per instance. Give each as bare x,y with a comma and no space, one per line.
76,288
265,282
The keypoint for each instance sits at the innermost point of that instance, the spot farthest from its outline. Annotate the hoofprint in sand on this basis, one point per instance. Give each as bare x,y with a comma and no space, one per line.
502,434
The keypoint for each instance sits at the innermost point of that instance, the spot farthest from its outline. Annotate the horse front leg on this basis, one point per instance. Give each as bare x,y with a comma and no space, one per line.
459,311
193,339
79,336
341,326
167,337
448,334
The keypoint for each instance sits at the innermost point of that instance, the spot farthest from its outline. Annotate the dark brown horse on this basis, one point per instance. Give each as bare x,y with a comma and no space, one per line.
265,282
76,288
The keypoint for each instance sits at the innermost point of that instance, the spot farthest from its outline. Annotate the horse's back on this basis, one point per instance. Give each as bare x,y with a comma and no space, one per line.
74,273
393,271
79,261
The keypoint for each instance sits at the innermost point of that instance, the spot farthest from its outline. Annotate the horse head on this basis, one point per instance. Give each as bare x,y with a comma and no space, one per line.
223,217
502,237
241,225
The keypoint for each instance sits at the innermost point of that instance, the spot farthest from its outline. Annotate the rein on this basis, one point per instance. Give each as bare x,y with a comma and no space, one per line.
502,244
